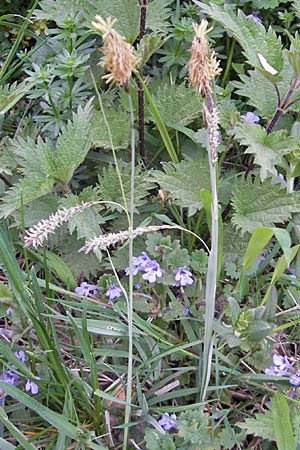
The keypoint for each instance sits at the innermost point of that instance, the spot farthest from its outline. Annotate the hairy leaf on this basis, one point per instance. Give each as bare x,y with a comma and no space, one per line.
119,125
177,104
184,181
262,204
269,149
261,426
148,45
158,14
26,190
252,36
158,441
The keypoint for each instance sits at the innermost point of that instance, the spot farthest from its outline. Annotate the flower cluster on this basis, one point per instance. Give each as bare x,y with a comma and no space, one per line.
168,421
12,378
250,117
87,289
281,367
150,267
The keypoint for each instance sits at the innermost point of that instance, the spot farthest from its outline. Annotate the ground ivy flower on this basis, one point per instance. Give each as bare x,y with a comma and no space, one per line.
186,311
254,17
10,377
168,421
295,379
87,289
20,355
153,272
183,276
31,386
113,292
250,117
281,366
139,263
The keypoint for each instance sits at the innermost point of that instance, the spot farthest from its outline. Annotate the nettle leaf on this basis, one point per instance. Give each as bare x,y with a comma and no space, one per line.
261,426
55,10
37,210
235,244
119,124
184,181
261,91
262,204
148,45
177,104
73,144
157,15
252,36
86,222
24,191
127,12
269,149
109,186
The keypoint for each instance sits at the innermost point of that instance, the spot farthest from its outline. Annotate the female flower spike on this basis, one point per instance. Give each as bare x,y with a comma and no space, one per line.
203,65
119,59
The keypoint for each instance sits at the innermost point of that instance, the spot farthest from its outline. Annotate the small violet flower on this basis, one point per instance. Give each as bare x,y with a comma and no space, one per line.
10,378
138,286
168,421
281,366
295,379
20,355
87,289
250,117
139,263
254,17
186,311
262,257
152,272
113,292
292,272
9,311
31,386
6,333
183,277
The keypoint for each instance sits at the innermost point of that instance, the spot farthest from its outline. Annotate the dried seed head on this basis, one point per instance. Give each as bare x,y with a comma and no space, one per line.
212,125
118,55
203,65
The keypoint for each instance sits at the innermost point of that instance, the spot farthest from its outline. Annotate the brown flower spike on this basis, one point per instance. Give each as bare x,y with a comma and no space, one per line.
118,55
203,65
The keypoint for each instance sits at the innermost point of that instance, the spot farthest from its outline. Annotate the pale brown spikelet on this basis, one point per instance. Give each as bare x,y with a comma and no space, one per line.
119,59
212,124
203,65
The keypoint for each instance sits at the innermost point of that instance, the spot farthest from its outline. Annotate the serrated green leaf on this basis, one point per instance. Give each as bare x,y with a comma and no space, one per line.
158,441
157,15
11,94
177,104
264,203
148,45
282,424
261,426
27,189
269,149
119,123
252,36
184,181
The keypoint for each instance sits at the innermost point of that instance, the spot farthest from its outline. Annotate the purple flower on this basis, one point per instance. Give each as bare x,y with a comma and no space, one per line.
138,286
139,263
152,272
20,355
183,276
281,366
168,421
10,377
292,272
87,289
254,16
113,292
250,117
295,379
31,386
6,333
262,257
186,311
9,311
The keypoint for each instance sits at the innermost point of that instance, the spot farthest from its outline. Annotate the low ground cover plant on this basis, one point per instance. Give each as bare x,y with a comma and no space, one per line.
149,238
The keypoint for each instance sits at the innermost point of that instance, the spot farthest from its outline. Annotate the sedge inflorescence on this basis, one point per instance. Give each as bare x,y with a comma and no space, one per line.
118,59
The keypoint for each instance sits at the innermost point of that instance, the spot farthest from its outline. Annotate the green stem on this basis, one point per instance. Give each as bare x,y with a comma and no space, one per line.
130,299
229,62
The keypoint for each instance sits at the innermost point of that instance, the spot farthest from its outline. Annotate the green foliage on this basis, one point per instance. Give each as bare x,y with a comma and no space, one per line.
119,124
257,203
184,181
269,149
252,36
194,430
148,45
261,426
158,441
177,104
282,424
158,13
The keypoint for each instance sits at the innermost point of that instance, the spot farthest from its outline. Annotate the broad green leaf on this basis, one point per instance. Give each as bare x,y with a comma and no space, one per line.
56,420
56,263
184,181
118,121
264,203
260,426
257,243
149,45
29,189
282,424
177,104
269,149
252,36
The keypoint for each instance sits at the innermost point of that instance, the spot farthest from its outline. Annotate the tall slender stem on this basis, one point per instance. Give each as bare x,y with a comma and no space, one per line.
130,297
